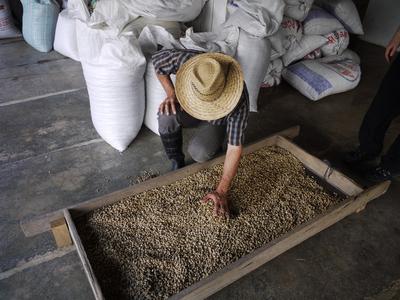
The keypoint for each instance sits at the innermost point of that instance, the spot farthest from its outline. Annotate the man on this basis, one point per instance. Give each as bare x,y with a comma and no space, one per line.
384,108
210,94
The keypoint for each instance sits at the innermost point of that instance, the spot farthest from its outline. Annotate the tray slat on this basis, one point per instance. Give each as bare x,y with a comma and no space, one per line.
82,255
40,224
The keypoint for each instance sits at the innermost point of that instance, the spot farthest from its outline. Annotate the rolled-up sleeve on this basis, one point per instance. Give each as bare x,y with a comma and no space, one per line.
237,121
167,62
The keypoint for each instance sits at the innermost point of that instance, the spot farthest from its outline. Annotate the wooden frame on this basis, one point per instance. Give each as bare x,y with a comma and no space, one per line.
61,233
40,224
357,200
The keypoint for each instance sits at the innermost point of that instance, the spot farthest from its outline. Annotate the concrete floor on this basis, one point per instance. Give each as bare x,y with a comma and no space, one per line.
51,157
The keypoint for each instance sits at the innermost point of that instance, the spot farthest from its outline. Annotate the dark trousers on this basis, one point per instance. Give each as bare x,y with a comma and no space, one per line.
384,108
204,145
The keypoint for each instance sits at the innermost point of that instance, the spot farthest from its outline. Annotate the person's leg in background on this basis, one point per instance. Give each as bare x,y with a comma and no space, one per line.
384,108
170,129
389,166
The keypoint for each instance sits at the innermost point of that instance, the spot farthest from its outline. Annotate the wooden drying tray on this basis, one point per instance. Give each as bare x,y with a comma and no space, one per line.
63,226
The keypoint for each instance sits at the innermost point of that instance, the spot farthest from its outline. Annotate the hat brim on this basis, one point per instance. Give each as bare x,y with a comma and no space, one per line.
221,106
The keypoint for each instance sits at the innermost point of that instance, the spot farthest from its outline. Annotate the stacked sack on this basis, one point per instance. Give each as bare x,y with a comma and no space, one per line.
319,37
290,43
39,21
326,76
257,21
104,37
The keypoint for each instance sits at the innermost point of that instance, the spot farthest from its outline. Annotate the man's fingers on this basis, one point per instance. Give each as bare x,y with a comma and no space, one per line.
160,108
205,199
389,53
166,108
173,108
216,208
392,53
223,210
208,197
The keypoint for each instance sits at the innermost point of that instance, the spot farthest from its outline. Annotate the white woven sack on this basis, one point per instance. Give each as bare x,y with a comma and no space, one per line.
316,79
346,12
253,54
7,27
260,18
39,22
78,9
117,103
274,74
165,10
320,22
338,41
115,15
155,94
277,49
298,9
113,66
317,53
291,29
65,38
292,33
225,41
347,54
111,13
153,37
136,27
299,50
212,16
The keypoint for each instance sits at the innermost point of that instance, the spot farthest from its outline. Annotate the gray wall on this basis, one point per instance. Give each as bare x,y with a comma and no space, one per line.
381,21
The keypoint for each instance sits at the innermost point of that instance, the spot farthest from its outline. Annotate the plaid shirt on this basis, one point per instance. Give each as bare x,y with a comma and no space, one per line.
168,62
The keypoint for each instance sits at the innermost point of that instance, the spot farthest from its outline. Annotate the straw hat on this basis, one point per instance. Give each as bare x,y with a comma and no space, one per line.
209,86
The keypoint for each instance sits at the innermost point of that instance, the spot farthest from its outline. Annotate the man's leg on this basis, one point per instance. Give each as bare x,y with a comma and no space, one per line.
389,166
384,108
170,129
207,142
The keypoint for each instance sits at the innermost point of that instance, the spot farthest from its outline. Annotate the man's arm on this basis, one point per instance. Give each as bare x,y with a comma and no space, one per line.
393,45
167,62
220,195
231,165
237,124
169,103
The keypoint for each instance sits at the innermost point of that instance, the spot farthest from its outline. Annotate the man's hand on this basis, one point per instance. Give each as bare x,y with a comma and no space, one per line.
168,105
219,196
221,206
392,47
